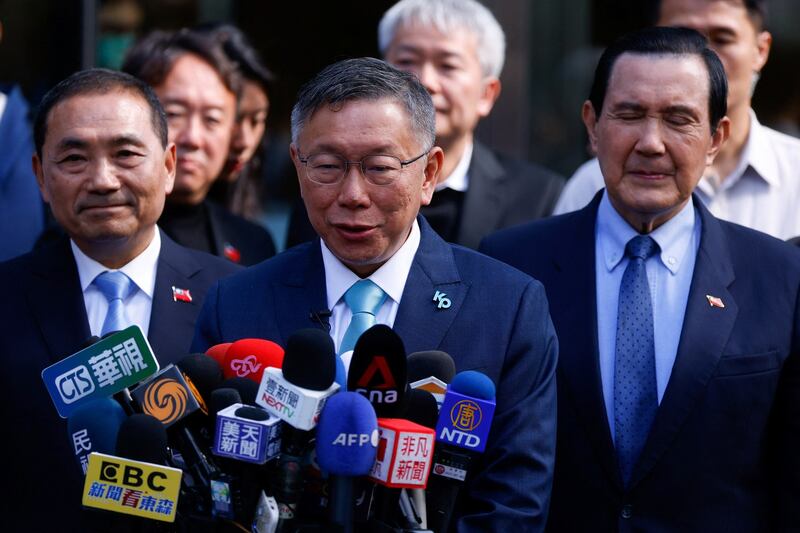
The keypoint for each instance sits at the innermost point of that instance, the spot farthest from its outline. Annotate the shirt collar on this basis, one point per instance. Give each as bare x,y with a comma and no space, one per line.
390,277
673,237
758,153
458,180
141,270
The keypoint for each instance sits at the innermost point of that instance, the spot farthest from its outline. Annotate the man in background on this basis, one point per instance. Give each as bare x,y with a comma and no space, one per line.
198,87
755,179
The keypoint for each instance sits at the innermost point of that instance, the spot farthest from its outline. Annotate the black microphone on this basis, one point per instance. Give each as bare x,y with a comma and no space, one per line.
247,389
378,370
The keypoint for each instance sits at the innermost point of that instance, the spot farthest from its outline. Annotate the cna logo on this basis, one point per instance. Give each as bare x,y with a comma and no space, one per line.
384,390
166,400
244,367
466,415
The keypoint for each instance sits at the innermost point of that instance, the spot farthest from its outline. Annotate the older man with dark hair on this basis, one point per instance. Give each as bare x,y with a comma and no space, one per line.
363,148
679,376
104,166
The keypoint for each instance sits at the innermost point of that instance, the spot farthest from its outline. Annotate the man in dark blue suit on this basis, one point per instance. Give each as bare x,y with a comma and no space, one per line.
363,148
104,165
679,378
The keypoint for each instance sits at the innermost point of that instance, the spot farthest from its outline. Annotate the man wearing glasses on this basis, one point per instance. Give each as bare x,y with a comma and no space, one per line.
362,144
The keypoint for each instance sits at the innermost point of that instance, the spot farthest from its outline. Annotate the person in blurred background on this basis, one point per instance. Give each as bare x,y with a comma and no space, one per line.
198,87
755,179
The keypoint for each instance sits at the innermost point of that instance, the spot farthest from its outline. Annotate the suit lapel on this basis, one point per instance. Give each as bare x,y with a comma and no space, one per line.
304,295
422,321
578,353
483,200
56,300
705,332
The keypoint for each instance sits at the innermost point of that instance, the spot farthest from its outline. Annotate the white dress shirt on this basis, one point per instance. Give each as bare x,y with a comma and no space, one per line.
458,180
762,192
391,277
142,272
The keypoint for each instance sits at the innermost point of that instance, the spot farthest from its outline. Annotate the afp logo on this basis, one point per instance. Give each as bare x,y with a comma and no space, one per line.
357,439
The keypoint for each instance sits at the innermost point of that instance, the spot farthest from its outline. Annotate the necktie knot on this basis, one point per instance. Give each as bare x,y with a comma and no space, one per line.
641,247
114,285
364,296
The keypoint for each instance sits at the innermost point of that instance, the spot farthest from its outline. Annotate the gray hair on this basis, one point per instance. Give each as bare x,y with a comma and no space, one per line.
450,16
369,79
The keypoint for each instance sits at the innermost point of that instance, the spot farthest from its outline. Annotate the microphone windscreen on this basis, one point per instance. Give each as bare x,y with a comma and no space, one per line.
221,398
248,358
347,435
247,389
421,407
142,438
429,363
218,352
252,413
310,360
204,371
474,384
378,370
96,424
91,340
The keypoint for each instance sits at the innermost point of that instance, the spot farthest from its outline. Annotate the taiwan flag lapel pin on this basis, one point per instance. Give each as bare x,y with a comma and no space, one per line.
714,301
231,252
181,295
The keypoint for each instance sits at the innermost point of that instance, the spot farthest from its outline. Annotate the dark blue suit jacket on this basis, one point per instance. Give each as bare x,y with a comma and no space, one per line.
498,324
724,450
43,320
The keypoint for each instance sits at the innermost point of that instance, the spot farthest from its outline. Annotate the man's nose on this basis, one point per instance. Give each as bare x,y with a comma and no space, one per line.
190,132
353,187
651,138
429,77
104,177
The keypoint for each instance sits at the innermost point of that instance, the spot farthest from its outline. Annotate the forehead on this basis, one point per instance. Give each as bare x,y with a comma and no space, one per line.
93,117
706,16
418,37
659,81
193,81
358,127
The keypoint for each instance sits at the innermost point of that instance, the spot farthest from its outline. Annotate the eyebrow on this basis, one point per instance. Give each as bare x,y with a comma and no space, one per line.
633,106
438,52
69,143
184,103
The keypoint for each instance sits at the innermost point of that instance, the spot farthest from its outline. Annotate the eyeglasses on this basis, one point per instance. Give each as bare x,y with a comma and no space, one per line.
329,169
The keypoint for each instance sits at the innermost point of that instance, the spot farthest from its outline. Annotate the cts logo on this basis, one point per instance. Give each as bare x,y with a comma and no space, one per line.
245,367
466,415
166,400
75,384
131,476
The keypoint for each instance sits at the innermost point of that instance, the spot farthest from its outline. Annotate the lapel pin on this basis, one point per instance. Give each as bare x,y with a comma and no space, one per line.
713,301
181,295
442,301
231,252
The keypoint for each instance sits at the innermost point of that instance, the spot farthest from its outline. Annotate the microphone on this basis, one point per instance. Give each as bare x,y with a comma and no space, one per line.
296,394
431,371
203,371
142,438
218,352
405,453
247,389
378,370
93,427
347,439
248,358
461,434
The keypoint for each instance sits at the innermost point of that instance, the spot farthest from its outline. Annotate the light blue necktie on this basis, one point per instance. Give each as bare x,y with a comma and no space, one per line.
635,395
115,286
364,298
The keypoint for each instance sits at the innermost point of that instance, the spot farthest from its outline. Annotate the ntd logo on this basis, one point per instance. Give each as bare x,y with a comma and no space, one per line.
465,421
75,384
466,415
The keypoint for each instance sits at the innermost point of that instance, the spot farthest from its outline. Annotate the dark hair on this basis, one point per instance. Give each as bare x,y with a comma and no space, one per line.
98,81
152,58
664,41
238,49
756,10
366,78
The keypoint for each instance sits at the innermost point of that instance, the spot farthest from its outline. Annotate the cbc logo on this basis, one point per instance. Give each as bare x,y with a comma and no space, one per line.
166,400
131,476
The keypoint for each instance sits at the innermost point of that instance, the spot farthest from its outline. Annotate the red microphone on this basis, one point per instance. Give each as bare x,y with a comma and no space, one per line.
405,454
218,352
248,358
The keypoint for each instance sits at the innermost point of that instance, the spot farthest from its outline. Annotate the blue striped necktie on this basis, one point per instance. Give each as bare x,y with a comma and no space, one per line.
364,298
116,287
635,394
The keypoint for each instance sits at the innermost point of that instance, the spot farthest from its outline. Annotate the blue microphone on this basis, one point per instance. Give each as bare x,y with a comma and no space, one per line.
347,441
93,427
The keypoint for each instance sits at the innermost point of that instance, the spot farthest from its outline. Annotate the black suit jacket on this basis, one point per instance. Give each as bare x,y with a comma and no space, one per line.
502,192
723,452
43,317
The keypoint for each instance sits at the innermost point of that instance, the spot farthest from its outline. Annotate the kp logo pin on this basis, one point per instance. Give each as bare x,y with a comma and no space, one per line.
442,301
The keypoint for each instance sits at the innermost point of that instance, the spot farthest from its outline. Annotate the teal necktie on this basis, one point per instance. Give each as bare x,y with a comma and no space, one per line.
364,298
115,286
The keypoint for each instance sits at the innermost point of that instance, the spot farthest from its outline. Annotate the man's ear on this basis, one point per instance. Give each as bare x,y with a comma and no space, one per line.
170,166
718,139
764,45
294,153
590,121
491,91
433,168
37,170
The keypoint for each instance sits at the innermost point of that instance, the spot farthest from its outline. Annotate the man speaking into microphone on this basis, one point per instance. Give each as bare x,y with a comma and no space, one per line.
363,147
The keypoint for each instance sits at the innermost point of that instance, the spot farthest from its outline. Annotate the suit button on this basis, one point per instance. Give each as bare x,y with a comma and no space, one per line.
627,511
